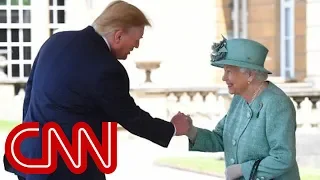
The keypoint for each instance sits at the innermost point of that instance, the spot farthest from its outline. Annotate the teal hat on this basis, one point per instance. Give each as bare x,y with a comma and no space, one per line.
243,53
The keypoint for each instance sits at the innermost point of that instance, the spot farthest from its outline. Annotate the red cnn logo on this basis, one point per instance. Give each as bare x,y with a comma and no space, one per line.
54,140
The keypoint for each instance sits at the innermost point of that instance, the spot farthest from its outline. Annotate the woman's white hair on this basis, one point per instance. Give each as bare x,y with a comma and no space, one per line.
260,76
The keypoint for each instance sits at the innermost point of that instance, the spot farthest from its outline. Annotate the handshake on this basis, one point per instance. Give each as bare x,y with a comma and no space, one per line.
184,126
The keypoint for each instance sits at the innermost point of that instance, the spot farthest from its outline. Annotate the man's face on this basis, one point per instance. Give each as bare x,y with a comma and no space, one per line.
125,41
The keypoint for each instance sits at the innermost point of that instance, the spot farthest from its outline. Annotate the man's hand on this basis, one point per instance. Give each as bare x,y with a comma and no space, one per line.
183,124
233,172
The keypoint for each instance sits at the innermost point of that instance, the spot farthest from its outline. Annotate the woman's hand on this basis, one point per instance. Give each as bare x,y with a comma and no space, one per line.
233,172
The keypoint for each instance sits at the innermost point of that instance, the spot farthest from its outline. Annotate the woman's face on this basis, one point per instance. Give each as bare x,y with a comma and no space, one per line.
236,81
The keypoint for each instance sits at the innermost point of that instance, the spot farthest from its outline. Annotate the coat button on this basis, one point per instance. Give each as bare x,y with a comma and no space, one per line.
248,115
232,161
234,142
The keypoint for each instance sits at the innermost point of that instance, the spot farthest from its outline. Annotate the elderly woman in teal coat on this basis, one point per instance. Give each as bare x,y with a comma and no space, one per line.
261,122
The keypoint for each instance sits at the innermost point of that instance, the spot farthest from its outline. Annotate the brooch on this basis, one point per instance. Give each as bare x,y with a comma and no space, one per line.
260,107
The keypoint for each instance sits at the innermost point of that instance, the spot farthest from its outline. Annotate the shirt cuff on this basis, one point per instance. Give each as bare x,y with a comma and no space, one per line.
175,130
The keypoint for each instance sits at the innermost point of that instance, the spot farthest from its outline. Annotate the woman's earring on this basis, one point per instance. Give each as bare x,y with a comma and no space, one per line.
248,82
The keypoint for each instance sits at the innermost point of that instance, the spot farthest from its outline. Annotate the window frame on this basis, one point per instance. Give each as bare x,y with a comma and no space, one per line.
287,33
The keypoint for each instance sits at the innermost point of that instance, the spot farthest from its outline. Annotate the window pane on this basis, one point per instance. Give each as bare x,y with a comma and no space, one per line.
51,16
3,48
61,17
3,51
14,2
26,70
26,35
3,2
60,2
51,2
27,53
5,70
15,70
15,53
288,53
26,16
2,71
287,20
288,74
3,35
14,16
15,35
3,16
27,2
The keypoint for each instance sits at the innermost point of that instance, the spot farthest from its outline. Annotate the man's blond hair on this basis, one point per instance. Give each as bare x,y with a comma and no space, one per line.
120,15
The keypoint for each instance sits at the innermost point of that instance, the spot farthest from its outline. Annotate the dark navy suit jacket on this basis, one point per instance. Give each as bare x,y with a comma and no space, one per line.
76,78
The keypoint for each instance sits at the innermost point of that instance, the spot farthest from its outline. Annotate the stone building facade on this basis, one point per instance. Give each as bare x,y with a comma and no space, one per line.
181,36
281,25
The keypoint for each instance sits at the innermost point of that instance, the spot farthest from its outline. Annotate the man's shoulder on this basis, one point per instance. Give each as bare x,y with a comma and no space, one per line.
75,38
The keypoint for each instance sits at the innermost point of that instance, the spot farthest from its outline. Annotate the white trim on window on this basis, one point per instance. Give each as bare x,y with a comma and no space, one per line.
287,39
240,19
235,18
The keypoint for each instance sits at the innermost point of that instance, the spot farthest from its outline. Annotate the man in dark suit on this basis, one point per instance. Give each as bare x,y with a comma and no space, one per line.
76,77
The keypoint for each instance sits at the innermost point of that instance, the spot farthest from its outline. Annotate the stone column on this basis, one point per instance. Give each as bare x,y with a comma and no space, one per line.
313,39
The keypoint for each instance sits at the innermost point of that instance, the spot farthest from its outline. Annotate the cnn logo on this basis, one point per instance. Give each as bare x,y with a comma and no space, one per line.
54,141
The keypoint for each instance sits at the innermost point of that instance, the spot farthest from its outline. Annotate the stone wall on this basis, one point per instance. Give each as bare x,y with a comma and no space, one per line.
313,39
264,27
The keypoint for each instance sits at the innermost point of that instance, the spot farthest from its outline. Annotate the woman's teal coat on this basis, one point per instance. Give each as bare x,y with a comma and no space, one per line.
264,129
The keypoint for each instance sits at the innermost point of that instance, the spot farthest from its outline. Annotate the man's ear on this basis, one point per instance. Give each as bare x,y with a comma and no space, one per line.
117,36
